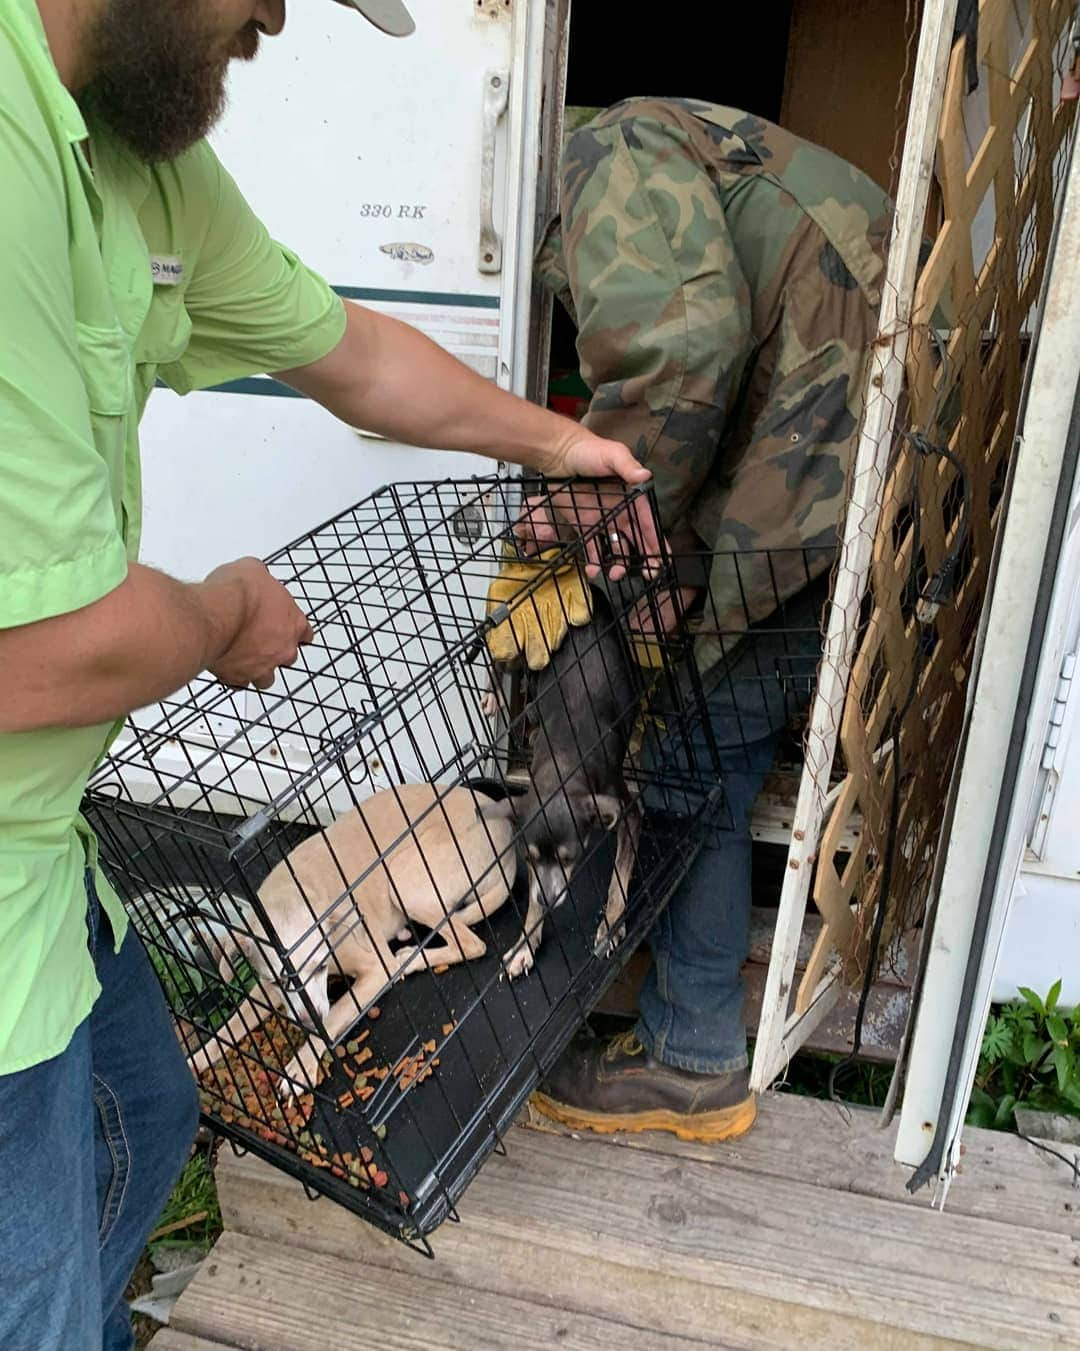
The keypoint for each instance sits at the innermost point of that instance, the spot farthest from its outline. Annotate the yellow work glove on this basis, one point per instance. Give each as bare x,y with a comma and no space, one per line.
648,649
647,652
538,622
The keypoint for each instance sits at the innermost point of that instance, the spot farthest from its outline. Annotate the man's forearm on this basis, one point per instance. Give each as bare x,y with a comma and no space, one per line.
133,647
387,377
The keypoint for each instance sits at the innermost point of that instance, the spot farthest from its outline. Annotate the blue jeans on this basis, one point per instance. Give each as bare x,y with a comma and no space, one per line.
691,1004
91,1143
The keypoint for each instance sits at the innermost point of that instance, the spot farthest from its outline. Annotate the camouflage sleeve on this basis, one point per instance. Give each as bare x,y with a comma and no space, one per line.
662,306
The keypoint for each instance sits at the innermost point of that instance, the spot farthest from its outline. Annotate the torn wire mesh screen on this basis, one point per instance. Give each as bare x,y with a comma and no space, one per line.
1000,159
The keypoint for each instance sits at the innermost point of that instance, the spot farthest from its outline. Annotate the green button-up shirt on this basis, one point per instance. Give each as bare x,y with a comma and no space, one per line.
110,276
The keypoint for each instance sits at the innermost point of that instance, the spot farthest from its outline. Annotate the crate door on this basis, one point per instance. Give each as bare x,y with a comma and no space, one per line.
404,172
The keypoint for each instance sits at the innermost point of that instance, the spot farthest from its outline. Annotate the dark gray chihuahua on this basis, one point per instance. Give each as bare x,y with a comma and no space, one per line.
583,705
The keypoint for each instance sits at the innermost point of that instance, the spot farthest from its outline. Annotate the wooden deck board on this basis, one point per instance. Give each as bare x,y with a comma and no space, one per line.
843,1149
254,1293
665,1241
594,1278
168,1339
800,1235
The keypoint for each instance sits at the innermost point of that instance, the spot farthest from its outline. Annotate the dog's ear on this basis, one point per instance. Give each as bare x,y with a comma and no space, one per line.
601,809
506,810
496,799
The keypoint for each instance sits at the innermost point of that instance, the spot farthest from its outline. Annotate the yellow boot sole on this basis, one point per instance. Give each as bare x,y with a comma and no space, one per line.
726,1123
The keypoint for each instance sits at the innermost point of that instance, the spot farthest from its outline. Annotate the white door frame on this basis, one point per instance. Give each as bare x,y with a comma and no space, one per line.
782,1032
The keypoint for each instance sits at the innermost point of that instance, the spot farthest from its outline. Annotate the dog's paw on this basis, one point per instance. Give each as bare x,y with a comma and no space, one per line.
301,1073
409,961
289,1085
519,960
608,939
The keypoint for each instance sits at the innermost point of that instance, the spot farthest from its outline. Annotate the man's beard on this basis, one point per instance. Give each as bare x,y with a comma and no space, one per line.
159,74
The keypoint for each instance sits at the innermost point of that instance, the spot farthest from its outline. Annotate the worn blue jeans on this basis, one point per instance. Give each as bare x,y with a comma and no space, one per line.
691,1004
91,1143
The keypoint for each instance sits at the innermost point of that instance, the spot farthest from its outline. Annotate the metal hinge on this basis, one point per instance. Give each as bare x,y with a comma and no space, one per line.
1058,710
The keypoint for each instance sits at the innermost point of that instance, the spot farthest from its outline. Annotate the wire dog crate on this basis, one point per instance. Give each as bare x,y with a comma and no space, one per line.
333,877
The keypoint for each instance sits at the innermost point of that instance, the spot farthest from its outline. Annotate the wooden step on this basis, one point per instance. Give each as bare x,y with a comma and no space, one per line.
846,1149
886,1010
581,1242
774,815
260,1294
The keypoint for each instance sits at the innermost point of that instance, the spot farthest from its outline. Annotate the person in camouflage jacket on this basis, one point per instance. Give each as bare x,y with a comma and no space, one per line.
724,277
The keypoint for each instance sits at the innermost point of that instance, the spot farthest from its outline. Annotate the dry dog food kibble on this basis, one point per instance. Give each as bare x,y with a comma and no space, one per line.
243,1093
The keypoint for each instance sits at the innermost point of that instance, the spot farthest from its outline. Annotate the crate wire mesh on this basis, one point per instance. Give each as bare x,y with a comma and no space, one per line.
769,668
382,1087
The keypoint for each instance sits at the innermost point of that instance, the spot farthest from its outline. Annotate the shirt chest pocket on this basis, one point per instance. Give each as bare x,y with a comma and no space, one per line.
166,330
105,360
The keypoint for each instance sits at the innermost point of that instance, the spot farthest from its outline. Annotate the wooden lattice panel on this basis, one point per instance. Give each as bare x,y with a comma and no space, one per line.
1003,178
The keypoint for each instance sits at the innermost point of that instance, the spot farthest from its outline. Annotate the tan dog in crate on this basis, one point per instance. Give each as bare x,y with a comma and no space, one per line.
407,856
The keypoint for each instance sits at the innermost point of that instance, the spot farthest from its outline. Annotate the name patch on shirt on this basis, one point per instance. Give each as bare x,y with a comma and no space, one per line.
166,269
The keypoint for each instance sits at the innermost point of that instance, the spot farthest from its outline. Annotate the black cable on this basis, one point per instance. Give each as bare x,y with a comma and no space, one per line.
1073,1163
940,588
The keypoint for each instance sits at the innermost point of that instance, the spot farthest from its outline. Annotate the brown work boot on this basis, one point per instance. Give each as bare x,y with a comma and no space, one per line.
617,1086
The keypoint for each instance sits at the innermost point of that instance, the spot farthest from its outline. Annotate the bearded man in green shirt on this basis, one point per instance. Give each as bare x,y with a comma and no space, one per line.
103,169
